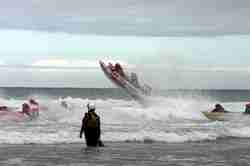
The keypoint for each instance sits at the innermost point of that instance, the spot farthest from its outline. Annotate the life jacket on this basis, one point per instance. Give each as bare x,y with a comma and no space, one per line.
34,110
92,120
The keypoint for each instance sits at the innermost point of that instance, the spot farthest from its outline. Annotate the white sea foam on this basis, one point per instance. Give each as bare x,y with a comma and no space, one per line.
166,119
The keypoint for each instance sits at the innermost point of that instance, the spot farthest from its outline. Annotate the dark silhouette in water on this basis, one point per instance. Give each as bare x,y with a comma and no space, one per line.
247,109
219,108
91,127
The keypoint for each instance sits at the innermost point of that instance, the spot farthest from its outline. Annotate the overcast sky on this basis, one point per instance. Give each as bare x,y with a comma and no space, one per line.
129,17
171,44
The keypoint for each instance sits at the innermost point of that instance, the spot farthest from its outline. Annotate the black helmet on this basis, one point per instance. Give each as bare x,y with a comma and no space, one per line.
218,105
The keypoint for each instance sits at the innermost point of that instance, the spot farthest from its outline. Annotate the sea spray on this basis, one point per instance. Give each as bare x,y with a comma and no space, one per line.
166,119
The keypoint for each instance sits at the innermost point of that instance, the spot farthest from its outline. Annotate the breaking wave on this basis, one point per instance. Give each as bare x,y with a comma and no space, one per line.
166,119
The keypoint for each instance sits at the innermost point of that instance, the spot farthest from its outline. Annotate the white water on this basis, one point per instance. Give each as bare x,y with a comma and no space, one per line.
166,119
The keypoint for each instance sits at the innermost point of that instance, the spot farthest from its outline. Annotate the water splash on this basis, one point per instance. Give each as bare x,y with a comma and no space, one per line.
173,119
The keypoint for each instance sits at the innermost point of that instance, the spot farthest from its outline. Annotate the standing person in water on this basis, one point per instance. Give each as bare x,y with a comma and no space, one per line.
91,127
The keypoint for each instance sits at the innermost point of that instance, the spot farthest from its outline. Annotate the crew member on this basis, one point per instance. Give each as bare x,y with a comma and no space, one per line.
91,127
119,70
3,108
134,80
34,108
219,108
31,109
247,109
26,109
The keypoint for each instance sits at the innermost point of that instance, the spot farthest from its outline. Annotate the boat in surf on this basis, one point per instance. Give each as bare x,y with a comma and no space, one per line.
115,73
223,116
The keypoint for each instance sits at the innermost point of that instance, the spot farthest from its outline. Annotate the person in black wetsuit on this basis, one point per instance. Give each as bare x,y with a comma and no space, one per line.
247,109
91,127
118,69
4,108
219,108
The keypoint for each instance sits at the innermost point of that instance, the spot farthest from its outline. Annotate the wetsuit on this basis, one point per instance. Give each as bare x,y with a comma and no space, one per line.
247,110
91,128
219,110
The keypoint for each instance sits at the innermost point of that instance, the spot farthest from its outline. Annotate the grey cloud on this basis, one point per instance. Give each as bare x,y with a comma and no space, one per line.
129,17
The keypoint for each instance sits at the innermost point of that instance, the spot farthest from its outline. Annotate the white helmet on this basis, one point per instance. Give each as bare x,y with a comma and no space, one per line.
91,106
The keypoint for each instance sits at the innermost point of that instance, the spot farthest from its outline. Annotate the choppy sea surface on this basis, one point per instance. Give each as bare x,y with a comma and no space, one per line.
169,130
171,116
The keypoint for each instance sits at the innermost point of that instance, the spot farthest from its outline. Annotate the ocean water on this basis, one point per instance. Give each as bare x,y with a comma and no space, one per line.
170,116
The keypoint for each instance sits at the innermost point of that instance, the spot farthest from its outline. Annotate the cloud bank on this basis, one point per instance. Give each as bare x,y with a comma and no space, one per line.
130,17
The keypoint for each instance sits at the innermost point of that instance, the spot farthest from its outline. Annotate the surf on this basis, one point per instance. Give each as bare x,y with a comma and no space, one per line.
167,119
